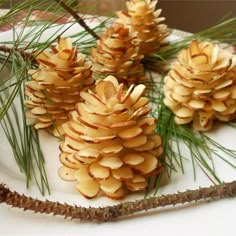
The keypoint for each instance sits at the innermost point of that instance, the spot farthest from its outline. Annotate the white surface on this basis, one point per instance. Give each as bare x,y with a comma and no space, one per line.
215,218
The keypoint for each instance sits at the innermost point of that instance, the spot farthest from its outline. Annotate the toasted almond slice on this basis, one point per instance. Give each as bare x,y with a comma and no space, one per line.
115,196
68,160
133,187
105,90
148,165
84,160
120,92
66,173
112,149
110,185
41,125
135,142
128,93
181,90
199,92
221,95
88,189
46,63
89,152
64,43
64,54
194,48
142,111
179,98
218,106
133,159
136,94
138,179
146,121
182,121
73,144
200,58
143,101
82,174
149,145
89,98
39,111
123,173
157,139
99,172
130,133
224,84
70,132
123,124
184,113
169,102
111,162
196,104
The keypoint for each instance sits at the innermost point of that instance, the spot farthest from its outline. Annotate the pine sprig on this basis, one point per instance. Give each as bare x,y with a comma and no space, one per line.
222,32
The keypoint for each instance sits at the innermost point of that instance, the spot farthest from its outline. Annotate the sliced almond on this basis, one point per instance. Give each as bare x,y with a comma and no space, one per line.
138,179
148,165
89,152
133,159
115,196
112,149
111,162
194,48
135,142
200,58
130,133
136,94
182,121
99,172
68,160
133,187
184,113
66,173
82,174
110,185
88,189
218,106
221,95
143,101
123,173
196,104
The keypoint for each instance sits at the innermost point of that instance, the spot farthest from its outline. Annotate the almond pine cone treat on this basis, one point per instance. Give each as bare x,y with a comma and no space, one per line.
144,21
55,85
109,145
117,54
201,85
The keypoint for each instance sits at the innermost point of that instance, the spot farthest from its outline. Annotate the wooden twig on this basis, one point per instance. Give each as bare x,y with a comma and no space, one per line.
111,213
24,54
77,18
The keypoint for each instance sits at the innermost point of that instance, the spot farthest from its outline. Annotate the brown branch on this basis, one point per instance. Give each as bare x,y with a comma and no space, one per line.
77,18
110,213
24,54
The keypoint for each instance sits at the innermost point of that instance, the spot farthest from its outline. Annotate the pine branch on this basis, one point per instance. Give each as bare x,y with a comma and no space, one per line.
111,213
24,54
77,18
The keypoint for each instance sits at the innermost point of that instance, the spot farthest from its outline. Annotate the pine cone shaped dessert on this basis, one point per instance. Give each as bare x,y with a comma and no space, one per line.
109,145
117,54
201,85
55,85
142,19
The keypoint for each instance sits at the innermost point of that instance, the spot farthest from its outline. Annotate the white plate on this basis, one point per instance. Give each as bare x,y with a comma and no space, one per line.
215,218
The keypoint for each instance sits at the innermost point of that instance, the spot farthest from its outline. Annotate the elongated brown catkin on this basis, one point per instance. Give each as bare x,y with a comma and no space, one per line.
111,213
